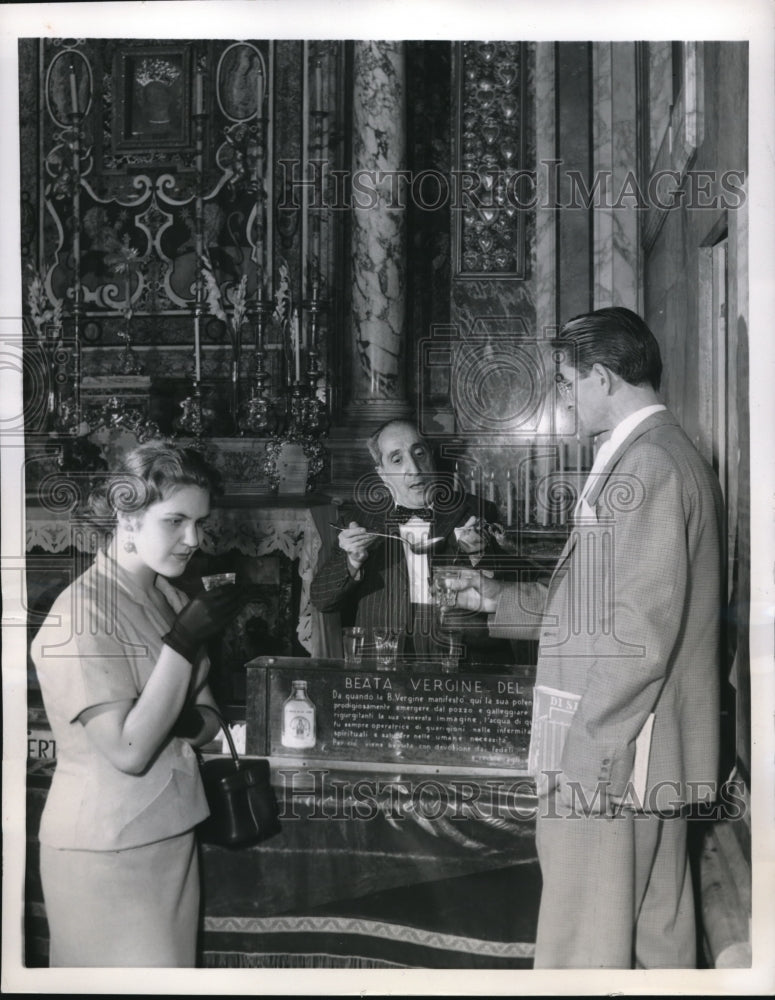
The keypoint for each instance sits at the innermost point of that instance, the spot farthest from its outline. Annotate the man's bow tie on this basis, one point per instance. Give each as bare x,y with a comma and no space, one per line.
404,514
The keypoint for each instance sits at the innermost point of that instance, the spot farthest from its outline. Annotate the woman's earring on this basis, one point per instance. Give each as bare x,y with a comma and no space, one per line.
129,546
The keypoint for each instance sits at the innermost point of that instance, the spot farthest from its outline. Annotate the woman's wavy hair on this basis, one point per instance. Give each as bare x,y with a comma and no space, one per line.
147,474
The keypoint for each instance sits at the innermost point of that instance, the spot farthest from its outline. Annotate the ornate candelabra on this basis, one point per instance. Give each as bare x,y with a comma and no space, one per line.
259,416
315,410
192,418
66,417
295,407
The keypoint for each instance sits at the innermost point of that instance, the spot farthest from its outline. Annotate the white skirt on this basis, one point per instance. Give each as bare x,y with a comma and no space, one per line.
136,907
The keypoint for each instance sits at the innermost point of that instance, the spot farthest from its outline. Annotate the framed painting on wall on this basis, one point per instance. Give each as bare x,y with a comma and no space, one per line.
152,106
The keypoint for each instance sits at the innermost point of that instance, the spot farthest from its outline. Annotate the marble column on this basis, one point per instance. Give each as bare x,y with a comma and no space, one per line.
616,260
545,264
379,249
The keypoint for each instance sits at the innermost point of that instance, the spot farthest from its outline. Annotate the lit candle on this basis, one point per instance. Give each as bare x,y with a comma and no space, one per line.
317,100
199,102
260,181
458,480
259,263
579,465
544,470
491,488
259,90
296,345
473,483
509,501
315,263
528,484
73,90
542,489
197,349
562,481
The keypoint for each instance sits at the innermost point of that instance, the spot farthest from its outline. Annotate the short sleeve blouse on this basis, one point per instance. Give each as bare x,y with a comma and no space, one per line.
100,644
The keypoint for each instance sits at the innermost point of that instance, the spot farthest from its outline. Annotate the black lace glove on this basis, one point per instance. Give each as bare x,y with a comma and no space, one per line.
205,615
189,723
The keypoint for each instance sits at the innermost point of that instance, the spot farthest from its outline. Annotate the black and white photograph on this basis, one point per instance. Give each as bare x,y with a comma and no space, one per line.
387,480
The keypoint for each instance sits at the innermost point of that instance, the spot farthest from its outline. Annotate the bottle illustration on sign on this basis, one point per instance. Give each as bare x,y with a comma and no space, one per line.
298,719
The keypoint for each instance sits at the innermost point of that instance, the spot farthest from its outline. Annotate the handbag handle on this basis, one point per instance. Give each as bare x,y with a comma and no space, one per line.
227,733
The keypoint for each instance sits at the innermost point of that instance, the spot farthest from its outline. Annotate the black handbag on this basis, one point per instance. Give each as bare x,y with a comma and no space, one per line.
243,805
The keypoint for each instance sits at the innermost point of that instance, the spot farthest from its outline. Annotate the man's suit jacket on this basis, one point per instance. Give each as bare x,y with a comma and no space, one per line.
382,593
631,619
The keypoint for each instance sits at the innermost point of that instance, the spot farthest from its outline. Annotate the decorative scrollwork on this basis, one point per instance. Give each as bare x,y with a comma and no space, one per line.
314,452
115,415
58,493
371,496
491,148
442,494
561,495
623,493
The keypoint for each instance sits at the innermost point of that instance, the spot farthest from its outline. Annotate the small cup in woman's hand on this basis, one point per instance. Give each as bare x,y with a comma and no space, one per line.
204,616
218,579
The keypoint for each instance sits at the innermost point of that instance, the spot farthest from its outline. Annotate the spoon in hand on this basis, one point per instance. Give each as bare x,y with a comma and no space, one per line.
418,548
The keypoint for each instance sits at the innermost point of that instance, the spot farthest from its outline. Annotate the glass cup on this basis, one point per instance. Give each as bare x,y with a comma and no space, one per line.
450,657
352,644
218,580
386,648
444,600
444,597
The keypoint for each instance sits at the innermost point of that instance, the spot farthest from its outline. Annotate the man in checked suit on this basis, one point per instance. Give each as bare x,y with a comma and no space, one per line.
389,582
630,622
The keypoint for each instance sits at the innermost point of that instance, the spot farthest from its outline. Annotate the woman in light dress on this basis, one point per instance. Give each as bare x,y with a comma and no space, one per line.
123,675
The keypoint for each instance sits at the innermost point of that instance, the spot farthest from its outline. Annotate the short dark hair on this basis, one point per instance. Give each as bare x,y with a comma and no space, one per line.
148,473
373,443
617,338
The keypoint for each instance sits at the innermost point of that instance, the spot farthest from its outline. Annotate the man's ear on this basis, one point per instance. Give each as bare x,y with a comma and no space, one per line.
605,375
385,478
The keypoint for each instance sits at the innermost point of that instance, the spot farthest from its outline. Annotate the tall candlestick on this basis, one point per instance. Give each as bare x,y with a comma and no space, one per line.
578,454
199,100
73,90
259,88
528,484
197,350
268,136
317,99
305,155
296,345
543,493
315,262
562,482
509,500
260,215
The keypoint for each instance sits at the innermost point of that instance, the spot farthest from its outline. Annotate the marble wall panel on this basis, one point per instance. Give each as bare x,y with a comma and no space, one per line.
379,228
616,262
545,256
